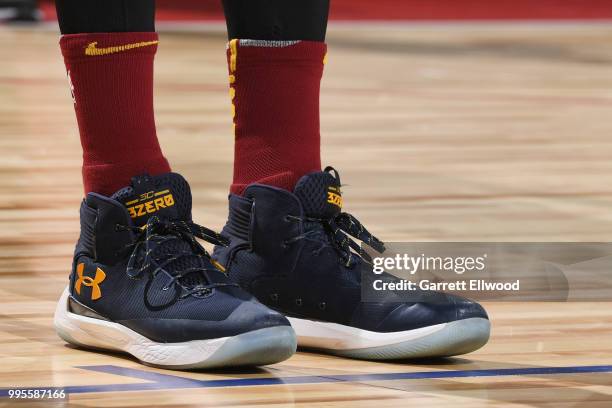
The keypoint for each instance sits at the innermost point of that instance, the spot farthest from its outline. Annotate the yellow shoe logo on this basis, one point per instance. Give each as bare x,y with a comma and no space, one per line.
92,49
150,202
334,196
93,283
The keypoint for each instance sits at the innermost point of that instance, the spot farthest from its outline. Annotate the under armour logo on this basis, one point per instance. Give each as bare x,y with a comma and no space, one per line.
93,283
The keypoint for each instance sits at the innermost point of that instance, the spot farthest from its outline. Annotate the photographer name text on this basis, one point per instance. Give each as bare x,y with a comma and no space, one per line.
458,285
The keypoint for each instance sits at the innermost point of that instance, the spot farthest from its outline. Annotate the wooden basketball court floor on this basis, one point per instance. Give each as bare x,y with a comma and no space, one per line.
441,132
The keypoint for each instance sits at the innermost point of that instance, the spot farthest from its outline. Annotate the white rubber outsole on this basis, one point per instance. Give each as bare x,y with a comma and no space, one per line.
259,347
440,340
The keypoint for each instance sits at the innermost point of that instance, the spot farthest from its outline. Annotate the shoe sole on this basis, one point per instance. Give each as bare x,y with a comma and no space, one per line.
440,340
259,347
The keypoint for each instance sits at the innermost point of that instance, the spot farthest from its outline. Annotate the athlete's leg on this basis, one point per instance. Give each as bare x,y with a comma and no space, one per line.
139,281
276,19
291,246
275,57
108,48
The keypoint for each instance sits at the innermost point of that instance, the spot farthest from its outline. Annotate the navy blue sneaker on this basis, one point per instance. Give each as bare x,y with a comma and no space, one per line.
141,283
293,251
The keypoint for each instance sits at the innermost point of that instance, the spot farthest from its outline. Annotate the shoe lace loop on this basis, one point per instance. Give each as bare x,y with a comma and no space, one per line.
157,232
339,230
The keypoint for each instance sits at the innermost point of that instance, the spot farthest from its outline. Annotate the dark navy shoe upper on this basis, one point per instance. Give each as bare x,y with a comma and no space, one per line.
292,250
138,263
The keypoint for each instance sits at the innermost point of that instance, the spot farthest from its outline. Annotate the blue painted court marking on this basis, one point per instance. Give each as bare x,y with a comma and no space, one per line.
158,381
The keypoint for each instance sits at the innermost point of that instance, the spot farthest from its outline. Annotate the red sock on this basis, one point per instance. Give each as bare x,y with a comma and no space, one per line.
274,87
111,76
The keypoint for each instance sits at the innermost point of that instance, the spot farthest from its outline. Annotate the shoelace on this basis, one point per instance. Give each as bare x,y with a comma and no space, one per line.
340,229
159,232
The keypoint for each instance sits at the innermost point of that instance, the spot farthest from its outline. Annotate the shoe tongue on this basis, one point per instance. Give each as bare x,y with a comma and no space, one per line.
320,194
166,196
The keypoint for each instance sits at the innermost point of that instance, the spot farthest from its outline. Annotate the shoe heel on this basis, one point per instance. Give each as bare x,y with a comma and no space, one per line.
70,327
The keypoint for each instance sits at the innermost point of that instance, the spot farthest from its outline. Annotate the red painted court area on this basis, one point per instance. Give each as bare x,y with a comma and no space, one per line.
399,10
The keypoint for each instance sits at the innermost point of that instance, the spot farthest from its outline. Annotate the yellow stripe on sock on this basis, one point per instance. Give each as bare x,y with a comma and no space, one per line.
233,46
233,55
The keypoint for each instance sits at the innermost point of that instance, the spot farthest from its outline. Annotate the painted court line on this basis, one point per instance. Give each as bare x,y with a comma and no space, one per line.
157,381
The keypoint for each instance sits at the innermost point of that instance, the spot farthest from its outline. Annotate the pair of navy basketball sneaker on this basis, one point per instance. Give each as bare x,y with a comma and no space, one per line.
284,272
